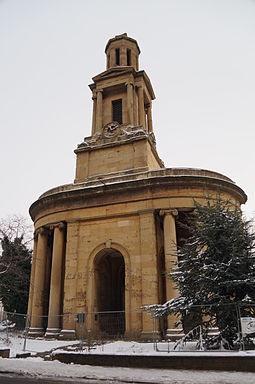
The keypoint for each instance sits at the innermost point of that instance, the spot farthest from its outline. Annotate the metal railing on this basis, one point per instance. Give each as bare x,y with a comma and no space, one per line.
97,327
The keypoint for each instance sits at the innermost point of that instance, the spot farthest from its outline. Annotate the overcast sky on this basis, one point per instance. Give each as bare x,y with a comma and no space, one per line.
199,55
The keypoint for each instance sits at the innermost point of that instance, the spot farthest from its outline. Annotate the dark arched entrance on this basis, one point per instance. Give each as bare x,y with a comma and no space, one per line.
110,291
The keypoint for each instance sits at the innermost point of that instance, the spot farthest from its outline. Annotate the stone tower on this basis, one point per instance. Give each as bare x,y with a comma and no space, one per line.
122,102
103,242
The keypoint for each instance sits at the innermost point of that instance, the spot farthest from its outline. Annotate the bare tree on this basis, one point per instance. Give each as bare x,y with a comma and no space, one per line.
16,226
13,227
15,262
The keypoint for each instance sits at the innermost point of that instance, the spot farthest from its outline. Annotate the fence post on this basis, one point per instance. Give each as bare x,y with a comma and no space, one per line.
81,319
242,338
154,333
7,333
238,327
26,330
201,338
89,340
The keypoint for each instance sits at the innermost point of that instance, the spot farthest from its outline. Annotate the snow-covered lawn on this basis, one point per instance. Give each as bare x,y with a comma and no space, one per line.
39,345
16,342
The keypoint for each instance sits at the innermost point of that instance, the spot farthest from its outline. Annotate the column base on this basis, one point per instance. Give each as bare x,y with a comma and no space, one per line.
52,333
67,334
174,334
35,332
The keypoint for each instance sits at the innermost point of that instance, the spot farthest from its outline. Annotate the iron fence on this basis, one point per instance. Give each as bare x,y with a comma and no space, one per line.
192,332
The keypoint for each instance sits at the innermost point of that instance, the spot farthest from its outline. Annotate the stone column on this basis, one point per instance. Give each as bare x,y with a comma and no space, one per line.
32,278
170,248
36,325
70,281
99,111
94,98
54,313
130,103
149,118
149,270
141,112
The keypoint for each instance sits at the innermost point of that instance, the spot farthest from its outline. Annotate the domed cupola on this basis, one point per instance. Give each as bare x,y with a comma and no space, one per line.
122,51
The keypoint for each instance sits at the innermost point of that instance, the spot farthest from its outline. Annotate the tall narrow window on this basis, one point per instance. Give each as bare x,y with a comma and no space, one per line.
117,56
128,57
117,111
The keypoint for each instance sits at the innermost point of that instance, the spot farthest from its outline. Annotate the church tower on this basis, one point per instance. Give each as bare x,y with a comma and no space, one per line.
122,131
103,244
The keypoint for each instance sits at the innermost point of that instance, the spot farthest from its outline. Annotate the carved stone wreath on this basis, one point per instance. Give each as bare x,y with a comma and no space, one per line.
111,129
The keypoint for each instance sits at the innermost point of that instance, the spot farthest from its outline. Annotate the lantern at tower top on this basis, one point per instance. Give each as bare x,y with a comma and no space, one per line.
122,51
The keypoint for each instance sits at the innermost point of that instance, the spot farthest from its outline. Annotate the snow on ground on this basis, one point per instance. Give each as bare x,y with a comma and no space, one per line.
37,367
135,348
16,343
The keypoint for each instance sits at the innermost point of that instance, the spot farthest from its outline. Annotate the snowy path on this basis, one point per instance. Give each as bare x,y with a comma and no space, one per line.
36,367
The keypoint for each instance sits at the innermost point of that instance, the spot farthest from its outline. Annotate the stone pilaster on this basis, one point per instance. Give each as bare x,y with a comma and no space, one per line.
141,111
36,324
170,248
123,56
112,58
99,111
94,98
149,118
130,102
54,319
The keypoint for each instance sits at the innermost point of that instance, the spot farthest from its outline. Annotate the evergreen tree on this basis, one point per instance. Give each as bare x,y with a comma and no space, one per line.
215,271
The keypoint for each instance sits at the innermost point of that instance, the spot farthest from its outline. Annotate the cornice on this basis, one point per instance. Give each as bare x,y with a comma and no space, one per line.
74,196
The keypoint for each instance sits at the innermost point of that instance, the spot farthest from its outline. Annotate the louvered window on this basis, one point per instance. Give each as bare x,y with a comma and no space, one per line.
117,111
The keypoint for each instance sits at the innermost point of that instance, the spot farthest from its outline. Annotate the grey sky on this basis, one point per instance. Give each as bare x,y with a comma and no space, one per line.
199,54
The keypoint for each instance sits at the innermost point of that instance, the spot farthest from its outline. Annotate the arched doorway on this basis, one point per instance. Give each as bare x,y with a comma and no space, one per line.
110,291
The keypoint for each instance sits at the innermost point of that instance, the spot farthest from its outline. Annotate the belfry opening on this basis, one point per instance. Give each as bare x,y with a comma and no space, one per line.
109,267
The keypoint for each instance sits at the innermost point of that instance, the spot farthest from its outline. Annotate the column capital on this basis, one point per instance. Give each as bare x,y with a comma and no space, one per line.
165,212
60,225
94,95
99,90
129,82
42,231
